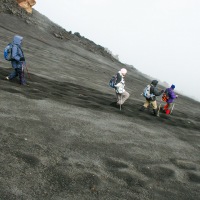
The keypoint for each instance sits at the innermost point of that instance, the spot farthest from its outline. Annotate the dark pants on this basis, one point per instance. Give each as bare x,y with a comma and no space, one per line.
18,72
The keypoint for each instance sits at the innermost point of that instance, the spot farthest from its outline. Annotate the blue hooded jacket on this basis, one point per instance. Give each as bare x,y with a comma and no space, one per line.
17,52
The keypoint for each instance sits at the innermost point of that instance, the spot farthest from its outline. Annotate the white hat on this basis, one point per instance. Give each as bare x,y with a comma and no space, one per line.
123,71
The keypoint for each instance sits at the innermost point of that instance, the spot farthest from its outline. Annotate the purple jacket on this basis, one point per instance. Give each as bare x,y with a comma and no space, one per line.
171,95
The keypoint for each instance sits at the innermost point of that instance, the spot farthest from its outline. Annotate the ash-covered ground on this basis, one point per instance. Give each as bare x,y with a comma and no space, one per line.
61,138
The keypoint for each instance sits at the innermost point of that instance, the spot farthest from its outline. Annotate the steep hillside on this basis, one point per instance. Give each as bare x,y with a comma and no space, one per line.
61,138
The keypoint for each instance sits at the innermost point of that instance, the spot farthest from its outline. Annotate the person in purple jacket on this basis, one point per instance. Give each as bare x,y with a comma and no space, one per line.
170,98
18,60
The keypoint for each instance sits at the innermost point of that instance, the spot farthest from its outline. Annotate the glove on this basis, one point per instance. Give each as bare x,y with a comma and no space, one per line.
22,59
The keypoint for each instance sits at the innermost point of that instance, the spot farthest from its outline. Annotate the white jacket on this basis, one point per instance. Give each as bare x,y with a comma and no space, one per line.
119,87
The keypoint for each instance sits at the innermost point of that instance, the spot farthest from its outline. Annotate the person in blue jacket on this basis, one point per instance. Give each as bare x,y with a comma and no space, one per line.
18,60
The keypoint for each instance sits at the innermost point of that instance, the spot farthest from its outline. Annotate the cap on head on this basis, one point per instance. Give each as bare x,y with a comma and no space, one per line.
154,82
172,86
123,71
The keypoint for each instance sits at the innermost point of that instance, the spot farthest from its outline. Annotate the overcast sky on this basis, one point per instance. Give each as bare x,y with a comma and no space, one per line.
160,38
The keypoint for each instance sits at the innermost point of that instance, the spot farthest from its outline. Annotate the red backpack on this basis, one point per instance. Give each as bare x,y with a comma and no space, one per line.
165,96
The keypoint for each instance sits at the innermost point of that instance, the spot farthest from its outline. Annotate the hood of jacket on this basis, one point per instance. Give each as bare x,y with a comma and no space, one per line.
17,40
154,83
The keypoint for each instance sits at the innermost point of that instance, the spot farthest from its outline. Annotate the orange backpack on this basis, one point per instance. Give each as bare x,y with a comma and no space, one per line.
165,96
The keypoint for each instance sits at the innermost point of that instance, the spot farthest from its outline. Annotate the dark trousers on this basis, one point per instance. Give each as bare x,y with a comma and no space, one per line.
18,72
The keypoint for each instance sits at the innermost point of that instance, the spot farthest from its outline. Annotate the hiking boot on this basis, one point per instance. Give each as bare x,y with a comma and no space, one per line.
162,110
142,108
115,104
155,112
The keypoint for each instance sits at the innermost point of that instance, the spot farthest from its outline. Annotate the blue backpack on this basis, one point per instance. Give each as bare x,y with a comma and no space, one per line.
112,81
8,52
146,92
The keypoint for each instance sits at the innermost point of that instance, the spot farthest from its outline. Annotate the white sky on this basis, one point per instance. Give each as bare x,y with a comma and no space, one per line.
160,38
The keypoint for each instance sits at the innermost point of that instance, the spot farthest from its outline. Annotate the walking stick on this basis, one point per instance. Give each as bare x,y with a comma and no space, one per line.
24,66
172,108
158,114
27,72
120,102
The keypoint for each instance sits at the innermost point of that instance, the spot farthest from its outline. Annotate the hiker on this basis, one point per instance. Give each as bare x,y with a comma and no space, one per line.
170,97
152,99
18,60
121,94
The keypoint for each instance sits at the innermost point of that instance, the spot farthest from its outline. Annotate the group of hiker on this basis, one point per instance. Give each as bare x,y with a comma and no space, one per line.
150,93
13,52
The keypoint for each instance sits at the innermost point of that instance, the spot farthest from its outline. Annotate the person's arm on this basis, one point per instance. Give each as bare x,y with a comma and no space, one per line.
172,95
156,92
15,55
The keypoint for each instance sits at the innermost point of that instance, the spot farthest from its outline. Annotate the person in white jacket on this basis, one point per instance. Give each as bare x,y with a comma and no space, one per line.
121,94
